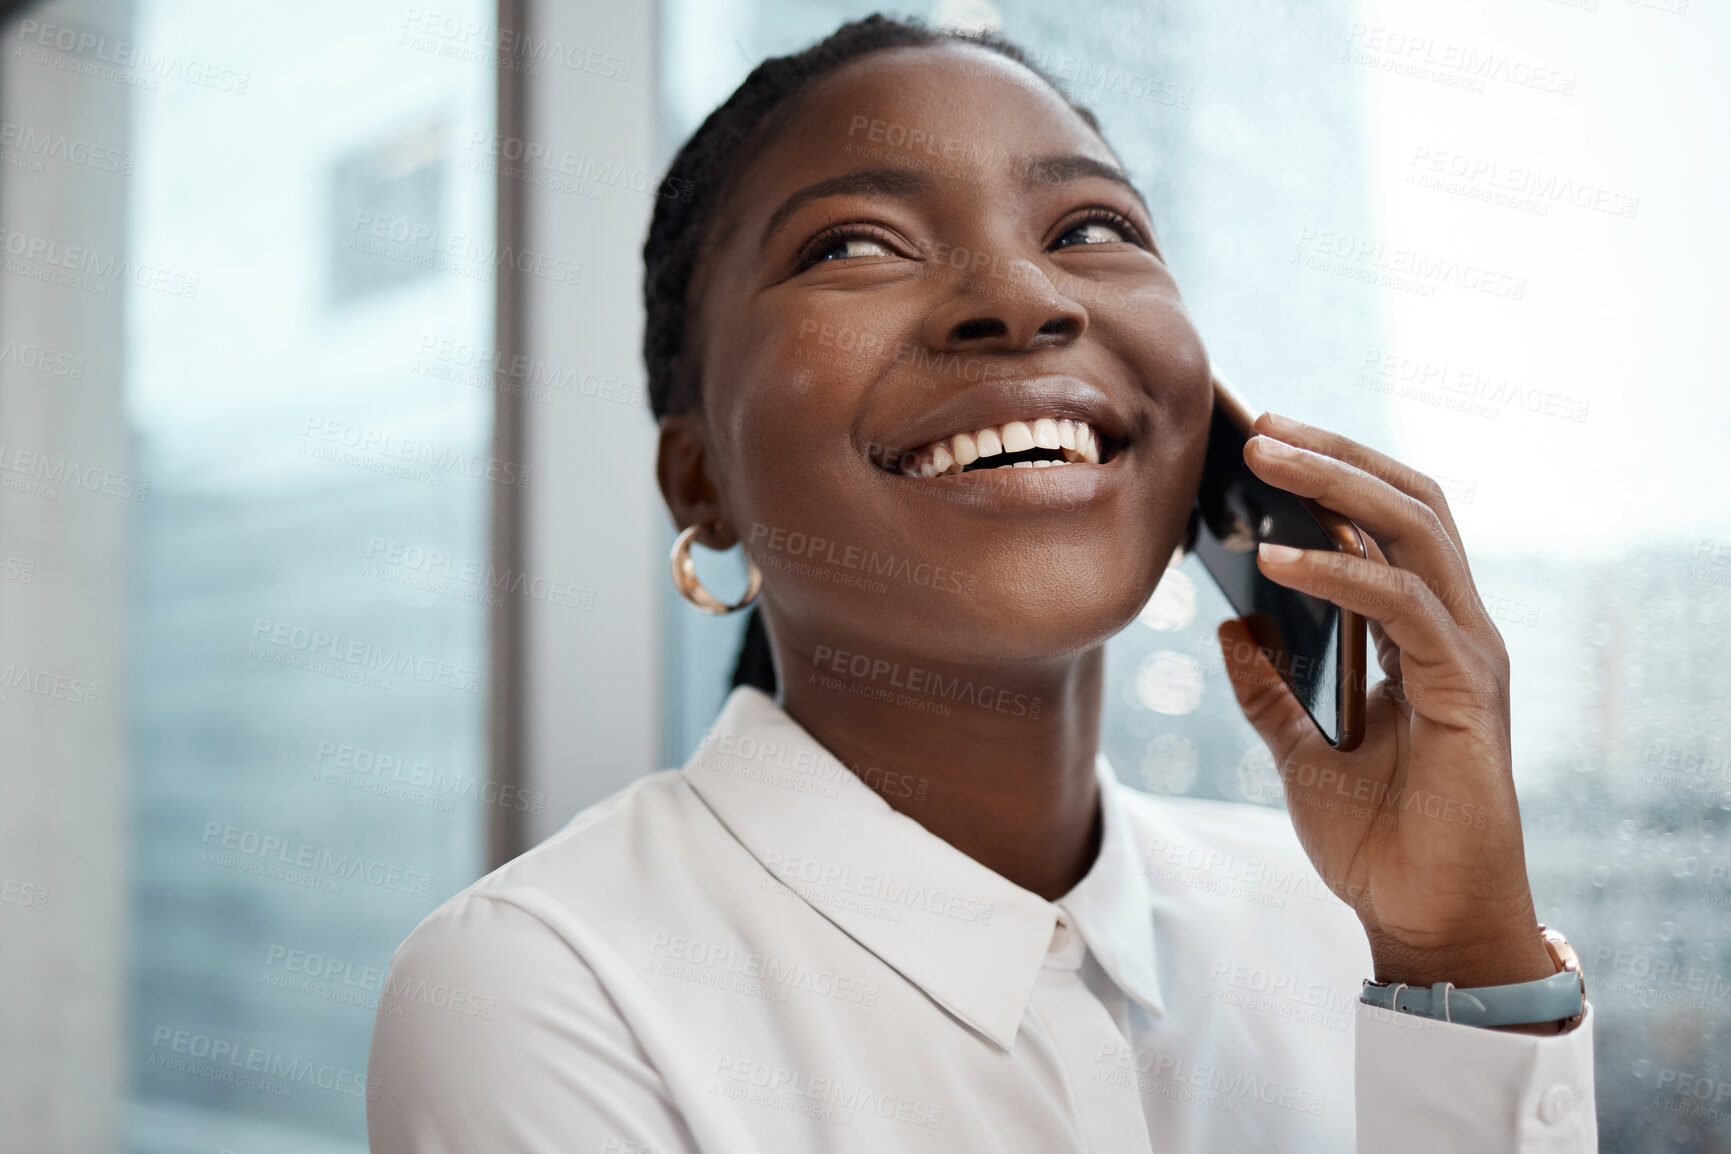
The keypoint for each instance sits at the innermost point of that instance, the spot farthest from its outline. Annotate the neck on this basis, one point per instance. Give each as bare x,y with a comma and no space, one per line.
999,763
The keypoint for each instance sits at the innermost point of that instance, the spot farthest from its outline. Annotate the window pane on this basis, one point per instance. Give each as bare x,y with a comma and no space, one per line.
302,291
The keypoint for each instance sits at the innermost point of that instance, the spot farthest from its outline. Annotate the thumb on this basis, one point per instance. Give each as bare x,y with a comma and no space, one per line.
1267,702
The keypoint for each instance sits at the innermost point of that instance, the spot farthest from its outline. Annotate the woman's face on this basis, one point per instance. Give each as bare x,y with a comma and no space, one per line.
936,258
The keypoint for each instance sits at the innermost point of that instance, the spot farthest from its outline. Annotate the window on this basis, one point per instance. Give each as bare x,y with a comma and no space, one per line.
270,257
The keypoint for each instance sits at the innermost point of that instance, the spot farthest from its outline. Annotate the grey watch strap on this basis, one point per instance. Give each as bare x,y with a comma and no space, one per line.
1546,1000
1562,995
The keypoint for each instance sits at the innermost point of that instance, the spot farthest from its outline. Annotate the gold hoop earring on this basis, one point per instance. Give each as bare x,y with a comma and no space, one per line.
685,577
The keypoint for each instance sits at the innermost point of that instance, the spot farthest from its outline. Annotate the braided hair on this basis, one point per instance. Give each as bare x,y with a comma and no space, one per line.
692,194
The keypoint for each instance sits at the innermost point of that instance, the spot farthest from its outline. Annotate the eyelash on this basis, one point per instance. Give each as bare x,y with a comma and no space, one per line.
827,239
1100,214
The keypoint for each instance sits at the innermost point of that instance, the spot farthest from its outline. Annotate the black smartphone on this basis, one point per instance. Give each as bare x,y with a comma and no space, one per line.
1317,647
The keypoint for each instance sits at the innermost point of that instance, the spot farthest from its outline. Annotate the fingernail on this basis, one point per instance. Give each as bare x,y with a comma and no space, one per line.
1275,448
1285,424
1278,554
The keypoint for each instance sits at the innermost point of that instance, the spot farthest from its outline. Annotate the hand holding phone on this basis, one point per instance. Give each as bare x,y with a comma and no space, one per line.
1417,828
1317,647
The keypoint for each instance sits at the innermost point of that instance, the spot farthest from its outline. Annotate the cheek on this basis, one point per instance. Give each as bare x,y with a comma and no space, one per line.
784,416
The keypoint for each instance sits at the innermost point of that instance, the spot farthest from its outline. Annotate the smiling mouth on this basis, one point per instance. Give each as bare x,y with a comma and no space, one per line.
1043,443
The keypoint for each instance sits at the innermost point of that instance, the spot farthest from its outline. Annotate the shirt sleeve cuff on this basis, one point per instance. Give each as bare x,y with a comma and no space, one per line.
1424,1086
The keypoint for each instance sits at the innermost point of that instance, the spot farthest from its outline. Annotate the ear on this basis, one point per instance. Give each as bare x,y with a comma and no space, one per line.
682,466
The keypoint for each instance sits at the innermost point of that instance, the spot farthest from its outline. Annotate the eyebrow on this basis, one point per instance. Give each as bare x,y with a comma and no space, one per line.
904,184
1064,169
901,183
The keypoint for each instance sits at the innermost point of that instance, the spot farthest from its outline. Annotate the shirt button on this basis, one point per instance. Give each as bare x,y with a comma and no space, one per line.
1555,1103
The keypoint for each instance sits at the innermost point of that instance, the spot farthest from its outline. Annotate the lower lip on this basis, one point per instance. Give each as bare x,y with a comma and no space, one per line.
1065,488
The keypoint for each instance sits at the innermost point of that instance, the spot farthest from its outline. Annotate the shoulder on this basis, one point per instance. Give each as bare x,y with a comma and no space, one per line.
519,965
495,1001
601,857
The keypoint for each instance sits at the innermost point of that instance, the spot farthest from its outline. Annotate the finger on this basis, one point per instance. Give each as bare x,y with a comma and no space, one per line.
1403,477
1387,652
1409,613
1409,532
1268,703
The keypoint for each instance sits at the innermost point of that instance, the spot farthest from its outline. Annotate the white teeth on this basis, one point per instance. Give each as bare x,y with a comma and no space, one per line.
1075,441
1087,446
962,445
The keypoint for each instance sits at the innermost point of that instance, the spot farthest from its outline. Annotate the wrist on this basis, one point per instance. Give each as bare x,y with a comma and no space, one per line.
1502,961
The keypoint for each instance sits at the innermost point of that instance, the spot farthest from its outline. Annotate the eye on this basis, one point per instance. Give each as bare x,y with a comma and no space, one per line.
842,244
1099,226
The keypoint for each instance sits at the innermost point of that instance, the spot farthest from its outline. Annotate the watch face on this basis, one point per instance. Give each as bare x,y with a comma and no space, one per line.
1560,950
1564,955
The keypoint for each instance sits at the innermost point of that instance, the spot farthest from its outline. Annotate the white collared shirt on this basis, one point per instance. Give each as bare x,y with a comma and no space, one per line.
757,953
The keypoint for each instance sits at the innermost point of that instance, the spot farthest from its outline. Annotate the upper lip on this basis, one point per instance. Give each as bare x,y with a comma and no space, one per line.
998,401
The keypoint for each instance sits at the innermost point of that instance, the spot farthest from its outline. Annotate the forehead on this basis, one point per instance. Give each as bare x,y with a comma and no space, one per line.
955,112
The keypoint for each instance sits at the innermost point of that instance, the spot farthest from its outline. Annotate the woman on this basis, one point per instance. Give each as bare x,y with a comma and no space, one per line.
902,905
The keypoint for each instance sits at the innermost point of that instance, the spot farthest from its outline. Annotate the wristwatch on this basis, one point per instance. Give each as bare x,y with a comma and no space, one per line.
1562,997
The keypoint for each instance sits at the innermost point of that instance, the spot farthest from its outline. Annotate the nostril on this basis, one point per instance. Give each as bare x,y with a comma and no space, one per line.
1060,327
979,329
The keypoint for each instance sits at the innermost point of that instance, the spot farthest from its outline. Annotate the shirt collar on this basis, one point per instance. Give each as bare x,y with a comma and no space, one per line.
1110,905
970,938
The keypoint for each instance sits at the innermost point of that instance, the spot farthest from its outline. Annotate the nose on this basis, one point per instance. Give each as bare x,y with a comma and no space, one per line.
1013,308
